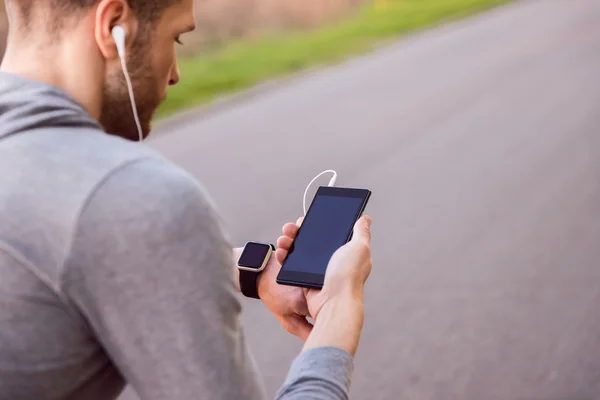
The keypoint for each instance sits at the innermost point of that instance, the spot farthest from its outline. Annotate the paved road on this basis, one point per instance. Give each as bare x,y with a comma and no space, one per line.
481,143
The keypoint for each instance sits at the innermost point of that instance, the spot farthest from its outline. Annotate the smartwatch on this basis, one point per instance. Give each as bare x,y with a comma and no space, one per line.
252,262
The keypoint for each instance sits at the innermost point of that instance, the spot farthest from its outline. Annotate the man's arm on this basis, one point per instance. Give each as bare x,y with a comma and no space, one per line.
151,272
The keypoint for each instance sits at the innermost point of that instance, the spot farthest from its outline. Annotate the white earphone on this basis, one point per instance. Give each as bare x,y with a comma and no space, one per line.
118,33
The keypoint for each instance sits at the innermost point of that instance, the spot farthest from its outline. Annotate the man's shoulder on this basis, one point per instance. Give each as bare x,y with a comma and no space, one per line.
85,154
85,166
100,151
143,185
144,214
150,179
59,173
92,160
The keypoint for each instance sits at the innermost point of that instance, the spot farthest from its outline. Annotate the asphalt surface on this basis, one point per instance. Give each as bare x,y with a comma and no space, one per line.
481,143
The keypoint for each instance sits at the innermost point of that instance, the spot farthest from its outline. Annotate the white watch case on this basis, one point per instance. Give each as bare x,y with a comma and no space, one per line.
265,261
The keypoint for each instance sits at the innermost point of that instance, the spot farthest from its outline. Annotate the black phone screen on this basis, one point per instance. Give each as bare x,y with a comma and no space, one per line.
328,226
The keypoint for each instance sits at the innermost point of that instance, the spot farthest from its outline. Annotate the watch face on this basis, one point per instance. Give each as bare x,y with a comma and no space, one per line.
254,255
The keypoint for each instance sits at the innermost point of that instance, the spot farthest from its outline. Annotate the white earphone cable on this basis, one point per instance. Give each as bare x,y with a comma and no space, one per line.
331,183
131,97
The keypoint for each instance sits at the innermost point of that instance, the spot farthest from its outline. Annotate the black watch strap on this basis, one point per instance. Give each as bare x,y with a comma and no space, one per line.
249,282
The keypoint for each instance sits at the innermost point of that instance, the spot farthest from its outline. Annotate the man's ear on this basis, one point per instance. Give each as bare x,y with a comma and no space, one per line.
108,14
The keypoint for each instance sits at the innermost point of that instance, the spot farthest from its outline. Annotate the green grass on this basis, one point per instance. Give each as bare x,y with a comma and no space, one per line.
242,64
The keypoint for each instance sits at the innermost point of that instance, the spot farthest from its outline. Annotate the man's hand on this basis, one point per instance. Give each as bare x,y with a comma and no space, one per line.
286,303
342,293
347,271
338,308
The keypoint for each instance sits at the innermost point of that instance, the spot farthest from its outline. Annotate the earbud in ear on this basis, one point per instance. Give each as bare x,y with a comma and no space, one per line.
118,33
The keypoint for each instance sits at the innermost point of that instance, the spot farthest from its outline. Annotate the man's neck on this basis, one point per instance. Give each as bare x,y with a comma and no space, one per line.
60,66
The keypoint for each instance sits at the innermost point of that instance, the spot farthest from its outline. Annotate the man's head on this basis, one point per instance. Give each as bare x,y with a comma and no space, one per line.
75,36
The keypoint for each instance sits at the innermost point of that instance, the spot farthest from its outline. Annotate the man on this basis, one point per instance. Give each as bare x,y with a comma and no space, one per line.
113,266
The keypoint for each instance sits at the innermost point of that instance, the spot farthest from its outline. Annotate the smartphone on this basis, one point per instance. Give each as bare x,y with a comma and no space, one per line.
328,225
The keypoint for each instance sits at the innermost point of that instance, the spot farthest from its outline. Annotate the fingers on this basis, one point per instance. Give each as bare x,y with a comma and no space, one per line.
281,255
290,230
297,326
362,230
285,242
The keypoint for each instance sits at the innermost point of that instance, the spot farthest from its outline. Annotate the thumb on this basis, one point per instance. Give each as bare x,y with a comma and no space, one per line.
362,230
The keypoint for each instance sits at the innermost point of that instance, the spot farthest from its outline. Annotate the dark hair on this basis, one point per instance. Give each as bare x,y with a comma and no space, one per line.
145,10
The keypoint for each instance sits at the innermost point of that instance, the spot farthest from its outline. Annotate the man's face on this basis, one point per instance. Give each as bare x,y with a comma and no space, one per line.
152,66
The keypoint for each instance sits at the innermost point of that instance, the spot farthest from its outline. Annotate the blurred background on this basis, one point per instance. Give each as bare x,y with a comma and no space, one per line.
476,124
222,20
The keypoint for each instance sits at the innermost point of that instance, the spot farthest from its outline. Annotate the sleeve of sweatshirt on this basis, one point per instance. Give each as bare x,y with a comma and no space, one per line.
151,271
322,373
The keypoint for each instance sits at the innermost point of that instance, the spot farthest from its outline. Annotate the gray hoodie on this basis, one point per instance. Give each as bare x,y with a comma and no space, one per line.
114,269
